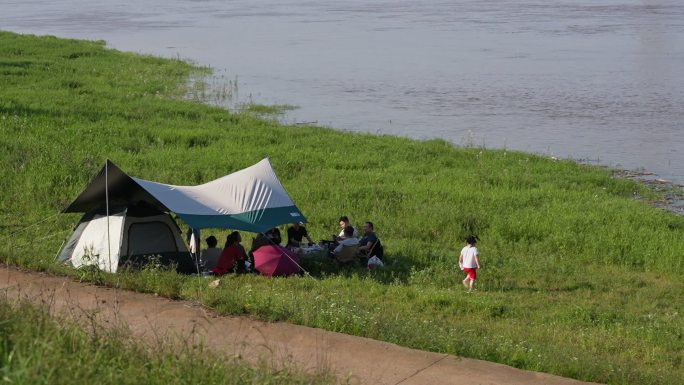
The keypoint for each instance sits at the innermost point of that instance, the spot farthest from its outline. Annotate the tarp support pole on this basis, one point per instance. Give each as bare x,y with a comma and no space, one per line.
109,247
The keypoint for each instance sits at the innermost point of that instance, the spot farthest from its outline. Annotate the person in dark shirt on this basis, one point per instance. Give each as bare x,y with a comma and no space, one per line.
370,243
274,235
295,234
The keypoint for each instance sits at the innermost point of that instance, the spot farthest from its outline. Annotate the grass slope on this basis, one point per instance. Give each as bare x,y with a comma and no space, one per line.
579,279
36,349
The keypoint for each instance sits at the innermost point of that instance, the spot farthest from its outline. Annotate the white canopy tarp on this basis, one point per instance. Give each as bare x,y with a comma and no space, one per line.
252,199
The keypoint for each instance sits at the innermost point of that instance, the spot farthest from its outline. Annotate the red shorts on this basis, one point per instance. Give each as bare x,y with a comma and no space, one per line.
472,272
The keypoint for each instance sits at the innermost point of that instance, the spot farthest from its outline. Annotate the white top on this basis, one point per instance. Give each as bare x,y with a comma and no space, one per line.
469,253
353,241
355,235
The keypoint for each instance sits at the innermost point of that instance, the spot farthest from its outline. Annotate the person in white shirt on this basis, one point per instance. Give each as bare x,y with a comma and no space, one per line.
349,240
344,223
470,262
211,254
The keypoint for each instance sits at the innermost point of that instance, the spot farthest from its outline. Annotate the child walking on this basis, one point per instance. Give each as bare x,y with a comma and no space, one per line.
470,262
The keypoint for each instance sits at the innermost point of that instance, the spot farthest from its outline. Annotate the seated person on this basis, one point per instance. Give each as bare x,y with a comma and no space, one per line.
370,244
350,240
274,235
295,234
232,257
344,223
258,241
241,266
211,254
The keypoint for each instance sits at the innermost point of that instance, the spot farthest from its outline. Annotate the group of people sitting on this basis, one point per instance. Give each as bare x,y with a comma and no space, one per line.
347,243
295,237
234,258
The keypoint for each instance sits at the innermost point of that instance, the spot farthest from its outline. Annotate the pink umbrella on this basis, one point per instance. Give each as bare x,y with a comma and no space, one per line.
272,260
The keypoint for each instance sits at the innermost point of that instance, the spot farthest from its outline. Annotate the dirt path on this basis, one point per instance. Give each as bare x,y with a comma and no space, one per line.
361,360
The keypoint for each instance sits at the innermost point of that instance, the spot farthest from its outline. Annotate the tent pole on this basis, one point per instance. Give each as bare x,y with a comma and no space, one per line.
60,249
109,247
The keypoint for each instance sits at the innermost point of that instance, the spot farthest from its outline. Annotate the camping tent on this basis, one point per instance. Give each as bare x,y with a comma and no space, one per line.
252,199
127,236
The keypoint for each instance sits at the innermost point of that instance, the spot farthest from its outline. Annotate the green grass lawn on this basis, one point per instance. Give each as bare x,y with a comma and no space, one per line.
579,278
36,349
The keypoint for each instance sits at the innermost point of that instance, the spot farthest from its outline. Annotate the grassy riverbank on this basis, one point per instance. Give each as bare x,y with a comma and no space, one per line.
36,349
580,279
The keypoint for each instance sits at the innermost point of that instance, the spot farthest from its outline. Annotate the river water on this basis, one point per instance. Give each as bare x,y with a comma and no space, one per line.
595,80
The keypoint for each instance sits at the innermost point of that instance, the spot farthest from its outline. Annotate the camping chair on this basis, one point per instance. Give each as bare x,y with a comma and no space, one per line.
370,252
347,254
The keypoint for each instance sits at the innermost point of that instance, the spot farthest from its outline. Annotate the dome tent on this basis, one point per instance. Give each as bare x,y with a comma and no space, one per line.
127,236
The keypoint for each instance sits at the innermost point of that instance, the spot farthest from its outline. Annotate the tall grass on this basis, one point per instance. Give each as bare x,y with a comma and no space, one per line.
37,349
580,278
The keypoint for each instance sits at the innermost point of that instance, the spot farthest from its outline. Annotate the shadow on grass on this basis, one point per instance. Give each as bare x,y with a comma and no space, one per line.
14,108
531,286
397,268
16,63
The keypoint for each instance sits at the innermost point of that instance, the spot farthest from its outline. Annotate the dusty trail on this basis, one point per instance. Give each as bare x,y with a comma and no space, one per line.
361,360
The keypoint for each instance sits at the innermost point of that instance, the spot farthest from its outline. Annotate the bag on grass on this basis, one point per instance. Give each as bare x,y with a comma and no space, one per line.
374,262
